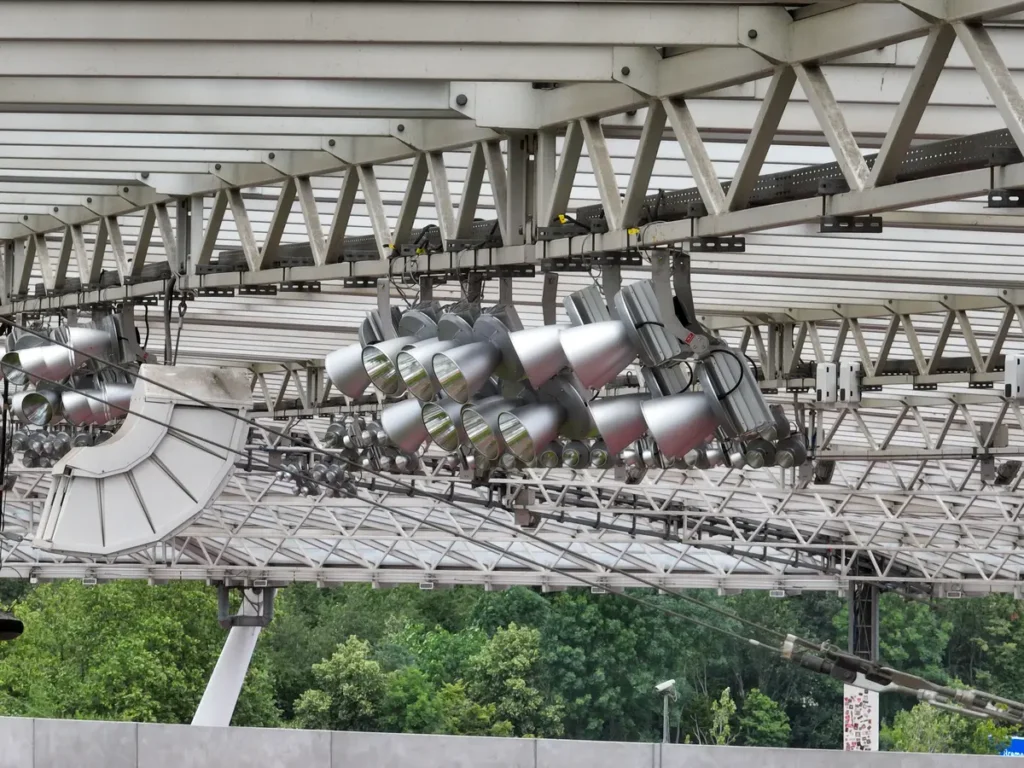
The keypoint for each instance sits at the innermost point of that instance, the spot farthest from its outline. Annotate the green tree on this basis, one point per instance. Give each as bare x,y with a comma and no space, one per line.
349,694
121,651
722,713
928,729
506,673
309,623
762,722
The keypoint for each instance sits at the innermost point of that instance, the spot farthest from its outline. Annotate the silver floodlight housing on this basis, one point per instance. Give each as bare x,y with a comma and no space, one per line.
344,367
402,422
417,326
55,362
416,364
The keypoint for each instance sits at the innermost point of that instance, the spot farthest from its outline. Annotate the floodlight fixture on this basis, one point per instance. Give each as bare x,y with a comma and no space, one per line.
760,453
416,367
600,456
619,420
734,394
463,371
380,361
551,456
598,352
534,355
403,425
54,362
528,429
575,455
41,407
345,369
680,423
443,422
480,420
791,451
96,405
416,364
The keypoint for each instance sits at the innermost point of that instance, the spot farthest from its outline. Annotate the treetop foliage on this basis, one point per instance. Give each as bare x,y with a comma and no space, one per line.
512,663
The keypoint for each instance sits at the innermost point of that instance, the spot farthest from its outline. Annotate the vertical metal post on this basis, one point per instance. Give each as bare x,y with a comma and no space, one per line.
863,624
518,189
664,721
860,707
221,695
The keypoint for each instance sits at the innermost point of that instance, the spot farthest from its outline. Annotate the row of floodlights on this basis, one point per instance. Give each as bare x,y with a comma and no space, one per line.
475,382
33,361
43,448
460,398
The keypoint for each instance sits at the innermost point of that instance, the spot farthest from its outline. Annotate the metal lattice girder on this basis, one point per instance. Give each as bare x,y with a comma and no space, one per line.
87,166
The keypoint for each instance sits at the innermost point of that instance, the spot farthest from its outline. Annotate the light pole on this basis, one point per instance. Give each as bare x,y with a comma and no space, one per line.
668,693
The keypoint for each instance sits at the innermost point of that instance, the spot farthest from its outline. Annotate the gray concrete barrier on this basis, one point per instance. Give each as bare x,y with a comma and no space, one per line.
29,743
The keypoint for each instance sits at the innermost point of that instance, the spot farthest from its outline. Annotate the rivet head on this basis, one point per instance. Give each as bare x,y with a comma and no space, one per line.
331,143
462,100
88,199
625,71
271,155
752,34
24,218
145,174
55,209
126,189
217,167
401,128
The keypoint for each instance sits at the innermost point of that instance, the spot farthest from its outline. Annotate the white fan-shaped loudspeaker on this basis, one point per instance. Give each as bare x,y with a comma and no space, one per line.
153,477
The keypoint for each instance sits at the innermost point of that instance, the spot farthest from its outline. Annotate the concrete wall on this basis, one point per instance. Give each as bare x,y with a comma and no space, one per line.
28,743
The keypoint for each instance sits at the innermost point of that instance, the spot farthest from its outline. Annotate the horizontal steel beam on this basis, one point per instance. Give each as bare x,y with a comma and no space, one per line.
312,61
382,21
182,96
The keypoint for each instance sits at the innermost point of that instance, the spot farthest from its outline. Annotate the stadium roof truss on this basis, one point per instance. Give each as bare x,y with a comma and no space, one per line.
281,160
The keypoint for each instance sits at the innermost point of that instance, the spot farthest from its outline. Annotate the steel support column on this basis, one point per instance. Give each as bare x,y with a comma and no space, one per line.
863,624
221,694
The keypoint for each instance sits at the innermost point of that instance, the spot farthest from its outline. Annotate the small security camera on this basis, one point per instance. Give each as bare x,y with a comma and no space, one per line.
665,687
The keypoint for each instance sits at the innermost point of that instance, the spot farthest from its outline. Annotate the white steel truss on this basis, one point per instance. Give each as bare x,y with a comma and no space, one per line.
114,176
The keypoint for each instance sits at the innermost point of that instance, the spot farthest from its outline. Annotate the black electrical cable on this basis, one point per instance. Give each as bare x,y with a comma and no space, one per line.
3,455
501,551
565,551
168,295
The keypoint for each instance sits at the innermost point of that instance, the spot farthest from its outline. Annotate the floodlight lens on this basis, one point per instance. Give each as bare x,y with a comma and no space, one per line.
441,427
464,370
486,442
517,438
381,370
11,367
37,409
451,379
416,376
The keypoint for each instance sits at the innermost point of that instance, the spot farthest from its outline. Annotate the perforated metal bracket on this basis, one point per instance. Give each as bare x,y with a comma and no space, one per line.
859,224
228,292
300,286
1006,198
257,609
257,290
359,282
731,244
588,262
